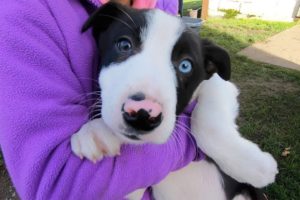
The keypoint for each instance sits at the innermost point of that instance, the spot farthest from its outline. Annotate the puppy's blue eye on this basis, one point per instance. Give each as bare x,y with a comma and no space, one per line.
124,45
185,66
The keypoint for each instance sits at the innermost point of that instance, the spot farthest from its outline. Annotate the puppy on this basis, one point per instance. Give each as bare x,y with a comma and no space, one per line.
152,66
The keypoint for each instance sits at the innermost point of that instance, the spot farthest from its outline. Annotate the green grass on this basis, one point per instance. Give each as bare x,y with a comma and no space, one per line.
270,98
191,4
242,32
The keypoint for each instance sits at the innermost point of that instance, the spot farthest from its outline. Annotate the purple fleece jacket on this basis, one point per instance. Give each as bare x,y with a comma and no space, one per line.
46,66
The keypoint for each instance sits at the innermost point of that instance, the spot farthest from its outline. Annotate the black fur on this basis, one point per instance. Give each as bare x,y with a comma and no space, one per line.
206,58
113,22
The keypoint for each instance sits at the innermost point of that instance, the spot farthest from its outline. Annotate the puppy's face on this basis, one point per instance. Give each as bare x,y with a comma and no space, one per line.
151,65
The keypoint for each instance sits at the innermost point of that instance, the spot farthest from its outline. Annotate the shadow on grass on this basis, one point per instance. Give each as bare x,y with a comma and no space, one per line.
269,111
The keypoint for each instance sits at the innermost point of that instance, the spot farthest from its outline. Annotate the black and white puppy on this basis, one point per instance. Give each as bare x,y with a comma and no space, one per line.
152,66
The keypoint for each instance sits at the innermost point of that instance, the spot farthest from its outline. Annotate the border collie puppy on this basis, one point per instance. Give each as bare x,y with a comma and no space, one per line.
152,66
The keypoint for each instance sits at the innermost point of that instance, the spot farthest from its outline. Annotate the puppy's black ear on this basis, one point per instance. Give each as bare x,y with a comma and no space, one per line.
102,17
216,59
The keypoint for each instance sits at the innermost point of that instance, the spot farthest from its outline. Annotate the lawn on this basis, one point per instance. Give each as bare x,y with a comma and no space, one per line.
270,98
191,4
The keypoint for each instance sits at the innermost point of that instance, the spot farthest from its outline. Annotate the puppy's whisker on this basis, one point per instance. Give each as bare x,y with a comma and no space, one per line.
90,79
181,126
177,139
92,93
87,101
81,97
191,134
187,127
96,112
183,116
87,95
93,110
187,117
95,116
184,126
96,107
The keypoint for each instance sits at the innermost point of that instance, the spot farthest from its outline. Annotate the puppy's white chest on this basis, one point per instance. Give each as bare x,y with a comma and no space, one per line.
197,181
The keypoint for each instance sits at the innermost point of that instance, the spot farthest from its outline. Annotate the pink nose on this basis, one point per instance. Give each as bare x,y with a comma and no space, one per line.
142,114
153,108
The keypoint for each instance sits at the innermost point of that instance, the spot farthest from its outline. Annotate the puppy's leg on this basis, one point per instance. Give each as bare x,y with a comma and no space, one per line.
198,180
214,127
95,140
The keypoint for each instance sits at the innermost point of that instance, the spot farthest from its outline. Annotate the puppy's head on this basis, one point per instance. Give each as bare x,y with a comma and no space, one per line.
151,64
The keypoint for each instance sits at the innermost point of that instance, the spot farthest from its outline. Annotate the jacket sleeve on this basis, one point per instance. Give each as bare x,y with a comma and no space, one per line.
169,6
39,113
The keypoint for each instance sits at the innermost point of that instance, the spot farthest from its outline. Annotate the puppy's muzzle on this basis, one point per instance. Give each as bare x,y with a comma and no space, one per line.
142,114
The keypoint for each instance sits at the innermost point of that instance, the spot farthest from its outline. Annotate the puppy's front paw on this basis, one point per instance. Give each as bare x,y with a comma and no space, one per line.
246,163
84,144
263,171
95,140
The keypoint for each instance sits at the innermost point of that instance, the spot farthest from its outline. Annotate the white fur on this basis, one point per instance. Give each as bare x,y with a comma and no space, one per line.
241,197
216,134
197,181
95,140
150,71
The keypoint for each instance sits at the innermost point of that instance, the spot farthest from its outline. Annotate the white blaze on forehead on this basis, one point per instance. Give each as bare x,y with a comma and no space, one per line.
161,33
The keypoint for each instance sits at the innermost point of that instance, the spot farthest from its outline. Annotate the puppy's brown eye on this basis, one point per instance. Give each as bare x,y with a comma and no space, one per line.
124,45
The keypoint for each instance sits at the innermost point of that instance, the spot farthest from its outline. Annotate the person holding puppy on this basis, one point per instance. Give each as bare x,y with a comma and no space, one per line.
46,66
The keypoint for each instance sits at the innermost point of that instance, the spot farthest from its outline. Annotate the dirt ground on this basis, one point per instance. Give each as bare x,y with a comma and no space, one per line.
7,191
